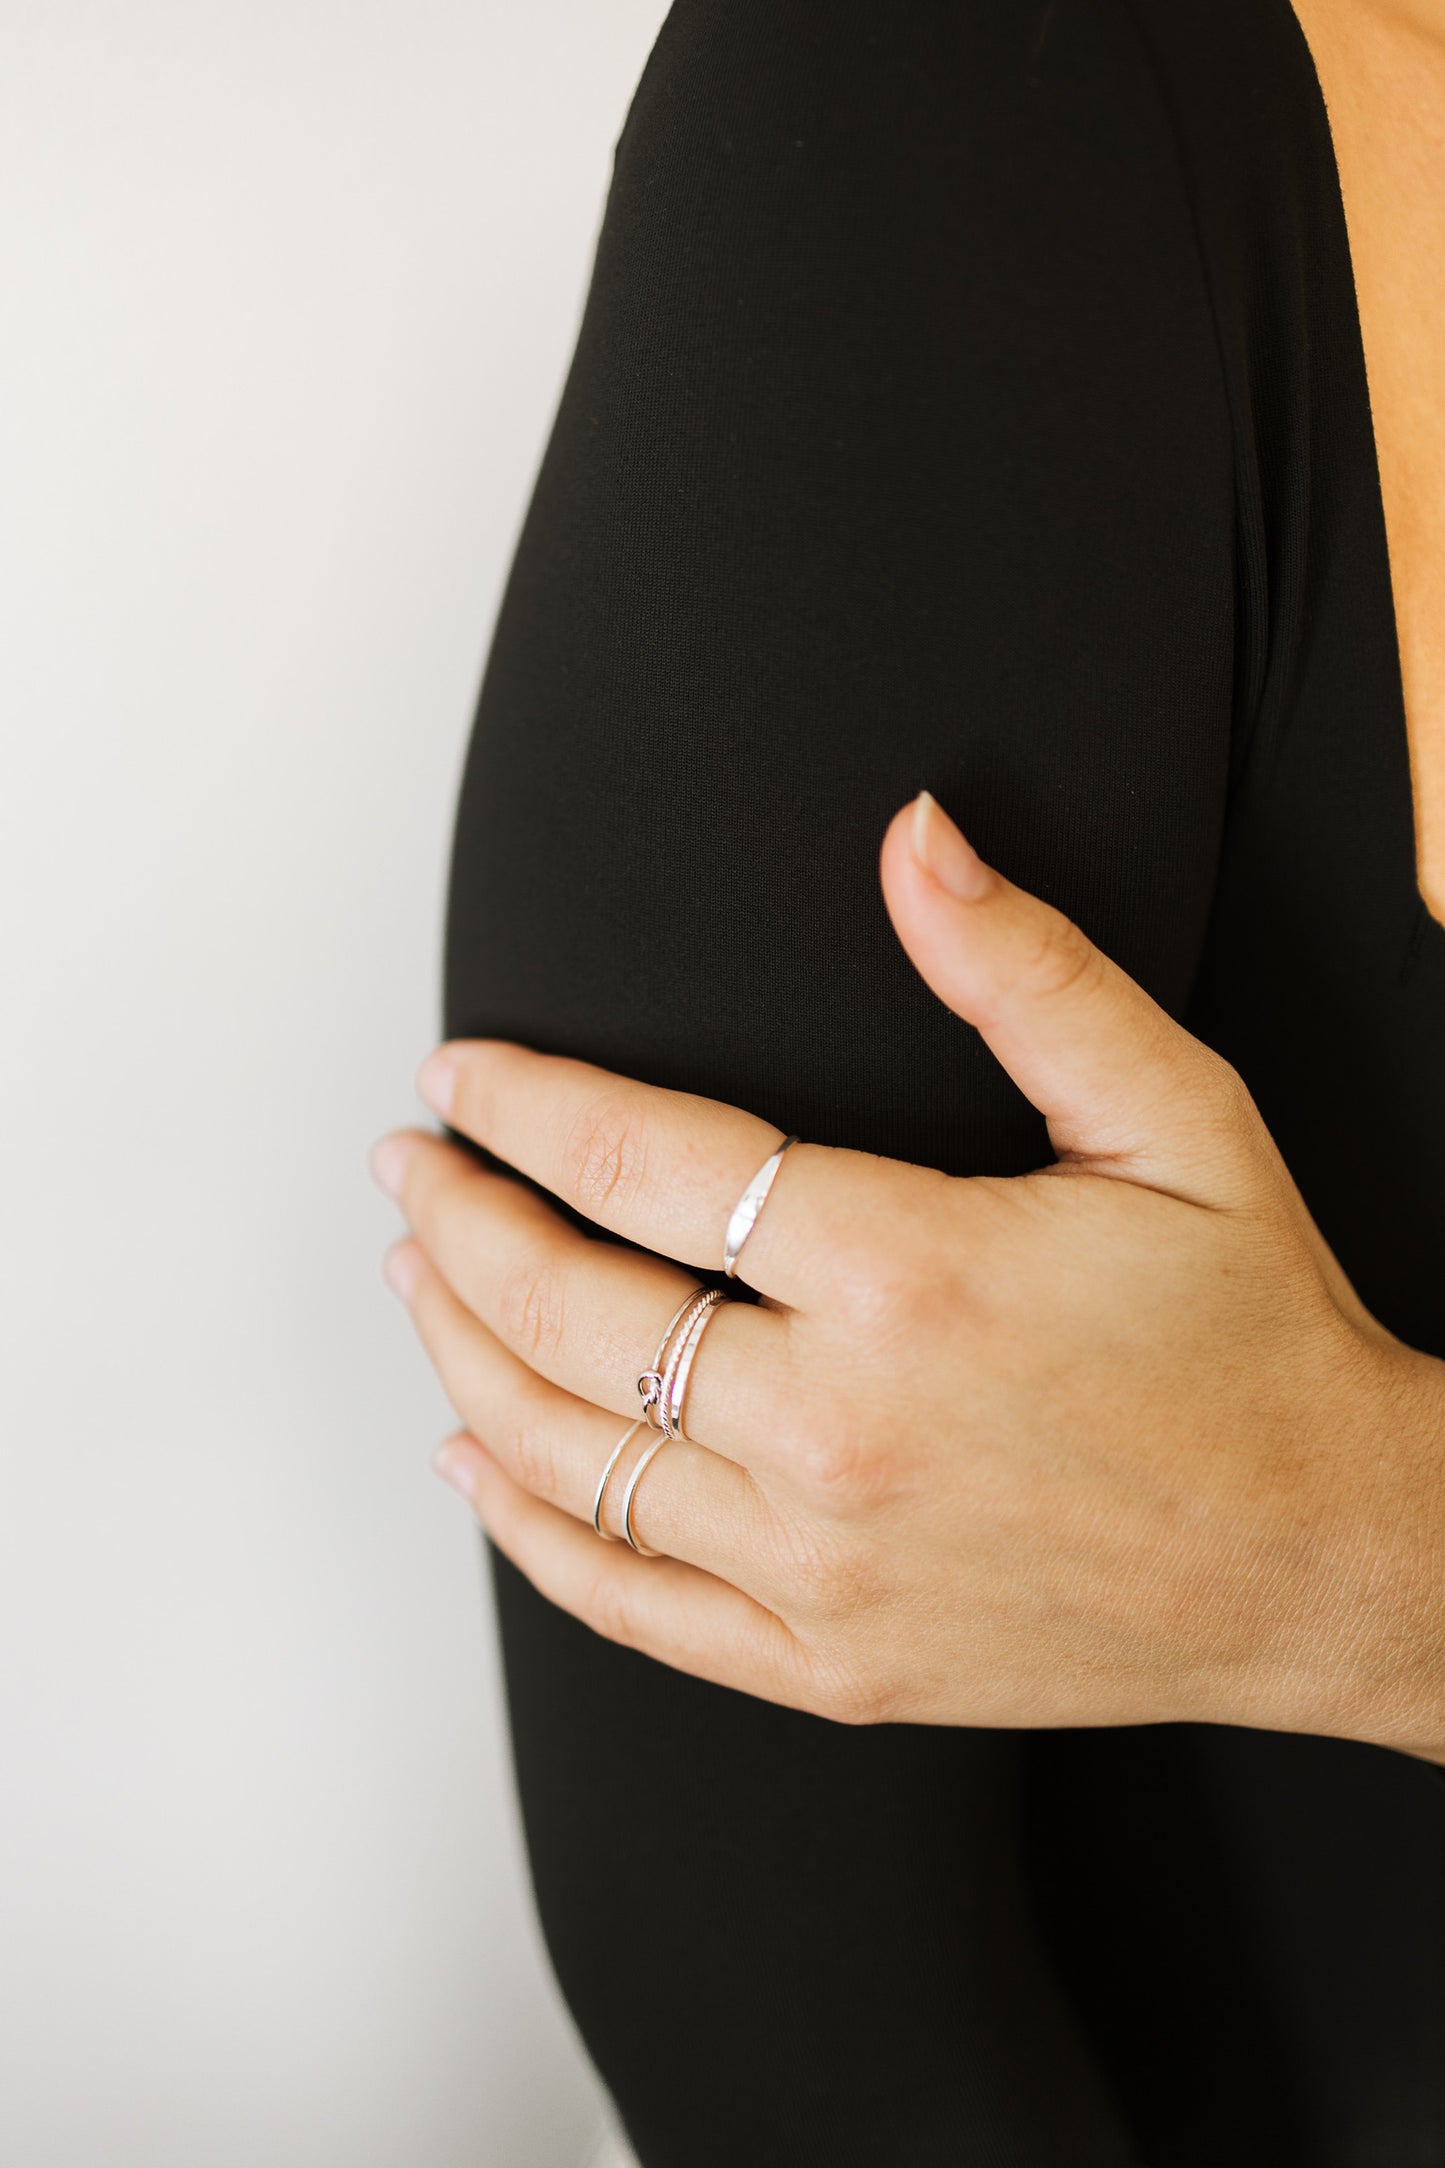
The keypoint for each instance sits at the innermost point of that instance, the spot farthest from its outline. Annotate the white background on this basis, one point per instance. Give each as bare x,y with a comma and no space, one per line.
287,292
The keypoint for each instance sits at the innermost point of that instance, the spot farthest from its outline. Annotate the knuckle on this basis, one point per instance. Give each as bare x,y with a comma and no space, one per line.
835,1460
1063,959
533,1453
876,1288
905,1279
605,1155
531,1307
843,1462
850,1696
1227,1094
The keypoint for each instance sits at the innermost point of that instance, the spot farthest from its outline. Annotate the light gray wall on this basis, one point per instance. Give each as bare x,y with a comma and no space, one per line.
287,290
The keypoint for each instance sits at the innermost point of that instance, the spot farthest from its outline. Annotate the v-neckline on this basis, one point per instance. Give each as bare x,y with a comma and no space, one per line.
1356,331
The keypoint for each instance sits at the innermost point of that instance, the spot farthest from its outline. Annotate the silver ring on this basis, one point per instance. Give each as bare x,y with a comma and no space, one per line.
749,1205
649,1382
664,1389
674,1383
627,1496
627,1436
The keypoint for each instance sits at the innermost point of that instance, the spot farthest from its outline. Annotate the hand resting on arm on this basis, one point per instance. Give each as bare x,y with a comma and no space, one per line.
1110,1443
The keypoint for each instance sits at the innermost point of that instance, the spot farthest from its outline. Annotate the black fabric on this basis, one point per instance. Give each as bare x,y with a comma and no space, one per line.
970,395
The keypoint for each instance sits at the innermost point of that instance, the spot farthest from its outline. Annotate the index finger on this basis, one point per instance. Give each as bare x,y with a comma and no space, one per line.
662,1168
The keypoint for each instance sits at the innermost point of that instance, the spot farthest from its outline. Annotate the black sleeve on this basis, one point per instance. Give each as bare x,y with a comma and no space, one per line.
893,453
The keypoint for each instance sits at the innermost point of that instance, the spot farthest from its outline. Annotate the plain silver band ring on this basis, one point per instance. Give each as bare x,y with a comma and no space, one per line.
749,1205
671,1397
627,1436
627,1496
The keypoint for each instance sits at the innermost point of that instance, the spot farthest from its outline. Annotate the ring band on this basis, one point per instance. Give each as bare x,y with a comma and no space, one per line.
627,1436
664,1387
649,1382
632,1482
674,1383
749,1205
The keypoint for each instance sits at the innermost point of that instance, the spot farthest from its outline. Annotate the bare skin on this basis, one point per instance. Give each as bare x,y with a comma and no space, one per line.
1381,65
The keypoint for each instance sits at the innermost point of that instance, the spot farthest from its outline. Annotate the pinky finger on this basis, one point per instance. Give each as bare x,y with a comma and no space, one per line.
660,1606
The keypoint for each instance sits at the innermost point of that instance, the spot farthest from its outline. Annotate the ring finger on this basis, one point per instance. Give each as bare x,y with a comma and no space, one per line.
586,1313
691,1503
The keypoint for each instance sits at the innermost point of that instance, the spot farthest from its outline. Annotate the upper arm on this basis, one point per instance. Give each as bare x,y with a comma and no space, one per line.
894,452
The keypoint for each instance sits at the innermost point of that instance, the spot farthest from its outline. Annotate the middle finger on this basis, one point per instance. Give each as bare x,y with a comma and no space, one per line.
587,1313
691,1503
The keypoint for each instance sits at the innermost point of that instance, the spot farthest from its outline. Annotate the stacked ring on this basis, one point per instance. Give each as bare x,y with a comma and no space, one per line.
670,1371
649,1382
626,1439
663,1389
664,1386
679,1362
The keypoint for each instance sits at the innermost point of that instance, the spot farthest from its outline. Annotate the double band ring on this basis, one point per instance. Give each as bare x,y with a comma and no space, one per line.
625,1440
631,1491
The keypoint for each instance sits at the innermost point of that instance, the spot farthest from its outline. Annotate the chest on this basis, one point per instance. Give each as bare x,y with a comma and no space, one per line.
1383,79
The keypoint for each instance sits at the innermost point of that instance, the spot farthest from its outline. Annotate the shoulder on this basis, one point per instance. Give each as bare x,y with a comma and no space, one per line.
1008,161
978,204
1008,96
928,293
1027,166
970,82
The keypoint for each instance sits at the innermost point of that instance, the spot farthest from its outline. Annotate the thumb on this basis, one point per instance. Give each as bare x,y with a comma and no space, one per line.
1111,1072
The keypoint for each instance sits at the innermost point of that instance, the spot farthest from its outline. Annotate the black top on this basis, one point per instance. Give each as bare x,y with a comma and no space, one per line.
970,395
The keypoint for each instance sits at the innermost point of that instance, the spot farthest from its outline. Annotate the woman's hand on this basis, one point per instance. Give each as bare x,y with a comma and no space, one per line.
1110,1443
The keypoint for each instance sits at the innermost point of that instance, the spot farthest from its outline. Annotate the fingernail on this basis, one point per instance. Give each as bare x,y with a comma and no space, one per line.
436,1082
943,853
388,1163
456,1463
399,1269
